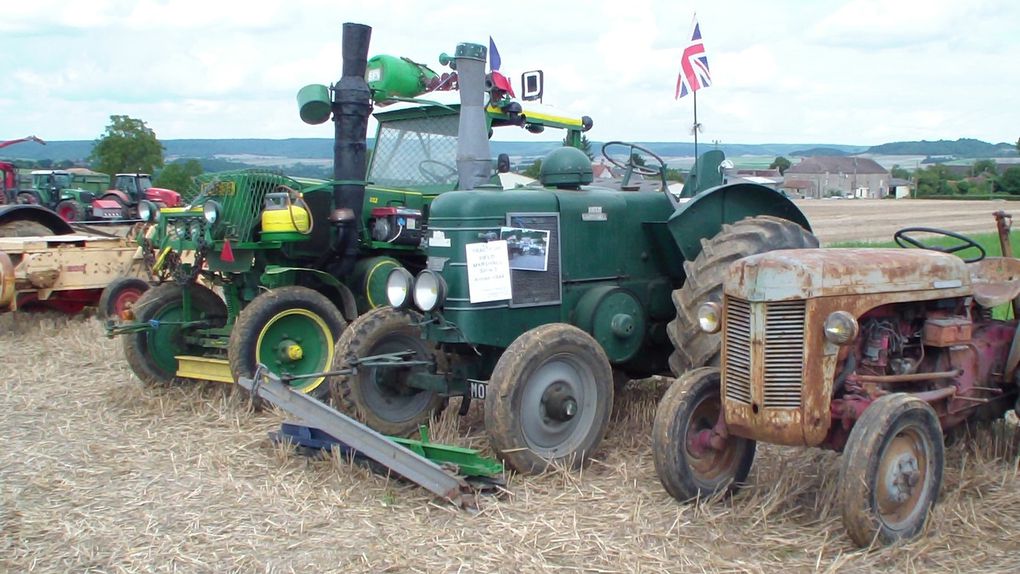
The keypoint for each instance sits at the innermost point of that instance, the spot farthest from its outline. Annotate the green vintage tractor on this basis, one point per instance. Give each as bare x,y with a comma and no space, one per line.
258,267
67,193
541,302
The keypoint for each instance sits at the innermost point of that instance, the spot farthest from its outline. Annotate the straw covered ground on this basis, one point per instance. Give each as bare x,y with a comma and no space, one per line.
98,474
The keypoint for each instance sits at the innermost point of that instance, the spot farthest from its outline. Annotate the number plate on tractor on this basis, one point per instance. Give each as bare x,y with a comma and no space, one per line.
478,389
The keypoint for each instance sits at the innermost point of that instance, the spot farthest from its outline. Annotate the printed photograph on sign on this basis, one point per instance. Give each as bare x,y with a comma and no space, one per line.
528,249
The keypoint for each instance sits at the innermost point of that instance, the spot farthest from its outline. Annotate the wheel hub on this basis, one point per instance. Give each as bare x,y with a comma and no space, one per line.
558,403
290,350
904,475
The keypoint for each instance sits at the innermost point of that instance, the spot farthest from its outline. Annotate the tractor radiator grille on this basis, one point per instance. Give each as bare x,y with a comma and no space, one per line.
780,364
784,354
738,351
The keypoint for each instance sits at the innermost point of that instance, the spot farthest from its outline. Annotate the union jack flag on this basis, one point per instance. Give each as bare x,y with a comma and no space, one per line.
694,73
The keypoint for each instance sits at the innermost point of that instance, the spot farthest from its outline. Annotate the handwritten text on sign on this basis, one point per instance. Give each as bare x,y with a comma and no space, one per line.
488,267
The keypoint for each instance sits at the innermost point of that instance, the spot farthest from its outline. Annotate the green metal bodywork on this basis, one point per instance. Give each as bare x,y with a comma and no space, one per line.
53,186
614,260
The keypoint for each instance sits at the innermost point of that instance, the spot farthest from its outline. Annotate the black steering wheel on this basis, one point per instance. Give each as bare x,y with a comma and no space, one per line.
434,176
645,170
903,239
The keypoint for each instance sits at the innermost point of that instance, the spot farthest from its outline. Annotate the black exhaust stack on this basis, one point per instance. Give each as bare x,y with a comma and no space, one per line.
352,104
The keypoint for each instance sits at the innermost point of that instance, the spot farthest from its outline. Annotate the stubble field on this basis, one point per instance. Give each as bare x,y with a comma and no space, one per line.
98,474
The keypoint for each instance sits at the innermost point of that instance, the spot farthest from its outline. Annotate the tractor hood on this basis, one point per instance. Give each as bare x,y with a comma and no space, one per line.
807,273
168,197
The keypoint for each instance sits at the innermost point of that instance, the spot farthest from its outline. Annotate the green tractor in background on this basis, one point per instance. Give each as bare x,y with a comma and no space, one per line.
69,194
297,259
540,302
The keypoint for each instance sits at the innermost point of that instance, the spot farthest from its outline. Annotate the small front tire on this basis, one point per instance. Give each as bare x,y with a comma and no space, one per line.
549,399
692,460
120,295
379,396
891,471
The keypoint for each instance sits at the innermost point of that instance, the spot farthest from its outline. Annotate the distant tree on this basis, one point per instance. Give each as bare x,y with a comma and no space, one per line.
899,173
674,174
534,170
1017,145
1009,181
780,163
179,175
128,145
45,163
585,145
934,180
984,166
637,159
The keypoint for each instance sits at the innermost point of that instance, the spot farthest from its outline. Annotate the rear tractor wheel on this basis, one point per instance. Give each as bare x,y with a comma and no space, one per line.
380,395
693,347
693,460
891,471
152,353
292,331
549,399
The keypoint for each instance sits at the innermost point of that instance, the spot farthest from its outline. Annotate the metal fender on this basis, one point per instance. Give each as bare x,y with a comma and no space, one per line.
704,215
348,307
123,197
36,213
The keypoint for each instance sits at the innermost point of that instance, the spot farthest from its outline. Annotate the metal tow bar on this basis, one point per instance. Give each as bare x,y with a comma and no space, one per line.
372,444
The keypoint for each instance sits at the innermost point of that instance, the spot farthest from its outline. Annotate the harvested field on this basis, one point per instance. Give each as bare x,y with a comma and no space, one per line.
877,219
98,474
101,475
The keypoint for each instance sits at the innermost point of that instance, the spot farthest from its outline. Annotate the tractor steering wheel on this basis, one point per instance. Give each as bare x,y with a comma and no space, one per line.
435,176
629,165
903,239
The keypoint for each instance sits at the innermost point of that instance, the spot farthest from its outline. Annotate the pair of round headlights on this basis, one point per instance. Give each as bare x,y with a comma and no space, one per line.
149,212
428,291
840,327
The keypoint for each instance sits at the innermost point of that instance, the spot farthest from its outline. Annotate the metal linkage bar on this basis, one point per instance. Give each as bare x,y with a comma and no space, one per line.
375,446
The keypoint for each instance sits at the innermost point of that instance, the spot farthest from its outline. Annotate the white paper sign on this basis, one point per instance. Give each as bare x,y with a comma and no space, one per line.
488,267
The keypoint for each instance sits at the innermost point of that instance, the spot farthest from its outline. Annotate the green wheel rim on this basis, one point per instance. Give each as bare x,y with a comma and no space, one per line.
166,341
296,342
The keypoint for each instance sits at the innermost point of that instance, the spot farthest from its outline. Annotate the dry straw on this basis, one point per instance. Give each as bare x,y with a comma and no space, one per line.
98,474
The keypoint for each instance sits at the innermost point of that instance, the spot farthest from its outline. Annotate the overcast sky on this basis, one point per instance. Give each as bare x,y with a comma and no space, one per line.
855,72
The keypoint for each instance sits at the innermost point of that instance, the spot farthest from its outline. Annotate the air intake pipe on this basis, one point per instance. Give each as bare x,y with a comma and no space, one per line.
352,104
474,165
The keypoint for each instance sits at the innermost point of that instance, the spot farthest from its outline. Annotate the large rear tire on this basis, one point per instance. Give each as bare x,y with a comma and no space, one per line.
293,331
151,353
549,399
379,396
891,471
693,347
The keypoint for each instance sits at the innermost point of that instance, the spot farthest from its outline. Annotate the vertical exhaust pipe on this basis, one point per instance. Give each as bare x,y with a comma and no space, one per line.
474,165
352,104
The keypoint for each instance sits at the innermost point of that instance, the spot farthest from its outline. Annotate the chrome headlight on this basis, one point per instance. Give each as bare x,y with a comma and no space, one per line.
840,328
710,317
429,290
211,211
398,287
147,211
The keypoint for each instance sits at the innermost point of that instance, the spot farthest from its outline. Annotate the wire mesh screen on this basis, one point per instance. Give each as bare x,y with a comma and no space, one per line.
415,152
241,195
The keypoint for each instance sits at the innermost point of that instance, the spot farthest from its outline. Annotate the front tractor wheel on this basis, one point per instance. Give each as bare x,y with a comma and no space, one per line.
152,352
693,347
380,395
292,331
692,457
119,296
891,471
549,399
70,210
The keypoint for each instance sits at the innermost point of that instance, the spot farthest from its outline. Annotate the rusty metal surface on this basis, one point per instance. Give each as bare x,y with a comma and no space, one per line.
808,273
995,280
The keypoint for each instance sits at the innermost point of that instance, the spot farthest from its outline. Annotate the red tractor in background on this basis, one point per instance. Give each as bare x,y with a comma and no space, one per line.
9,173
121,201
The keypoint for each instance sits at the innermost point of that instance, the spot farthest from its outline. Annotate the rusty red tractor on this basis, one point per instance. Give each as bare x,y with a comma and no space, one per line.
872,352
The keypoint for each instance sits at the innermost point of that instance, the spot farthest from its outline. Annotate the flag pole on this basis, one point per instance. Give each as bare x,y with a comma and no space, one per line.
695,93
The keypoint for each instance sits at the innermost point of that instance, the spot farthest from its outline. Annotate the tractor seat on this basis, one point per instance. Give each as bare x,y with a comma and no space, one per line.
995,280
